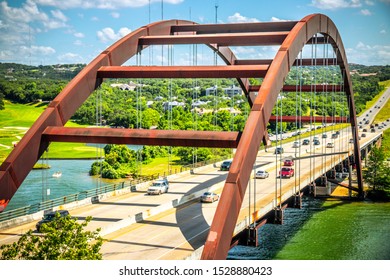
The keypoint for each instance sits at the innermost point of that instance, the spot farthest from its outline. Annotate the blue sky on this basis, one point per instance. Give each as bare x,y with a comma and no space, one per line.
75,31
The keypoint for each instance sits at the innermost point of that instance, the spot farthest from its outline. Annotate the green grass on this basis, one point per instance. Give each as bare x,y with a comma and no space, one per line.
384,113
159,166
15,120
371,103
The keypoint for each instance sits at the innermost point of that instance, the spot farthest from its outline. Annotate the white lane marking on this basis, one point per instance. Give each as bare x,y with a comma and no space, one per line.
197,216
183,243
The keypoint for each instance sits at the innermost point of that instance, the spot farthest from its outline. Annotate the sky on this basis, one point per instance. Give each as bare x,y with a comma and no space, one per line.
47,32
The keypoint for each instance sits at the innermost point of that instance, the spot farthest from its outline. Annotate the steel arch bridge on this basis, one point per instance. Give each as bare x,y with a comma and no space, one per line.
291,36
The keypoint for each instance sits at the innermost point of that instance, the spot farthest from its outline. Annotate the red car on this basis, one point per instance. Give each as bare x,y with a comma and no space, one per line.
287,172
288,162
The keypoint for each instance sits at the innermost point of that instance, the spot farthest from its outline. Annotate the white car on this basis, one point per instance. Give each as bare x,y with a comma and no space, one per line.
330,145
296,144
209,197
158,187
262,174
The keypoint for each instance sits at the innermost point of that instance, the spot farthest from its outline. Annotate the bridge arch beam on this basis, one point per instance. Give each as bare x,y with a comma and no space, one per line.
218,241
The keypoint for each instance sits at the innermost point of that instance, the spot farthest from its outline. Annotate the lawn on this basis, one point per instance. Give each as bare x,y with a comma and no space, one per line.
16,119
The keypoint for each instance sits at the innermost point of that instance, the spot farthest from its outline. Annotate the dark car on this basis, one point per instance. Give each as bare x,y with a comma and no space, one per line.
50,216
306,142
225,166
364,135
279,150
316,142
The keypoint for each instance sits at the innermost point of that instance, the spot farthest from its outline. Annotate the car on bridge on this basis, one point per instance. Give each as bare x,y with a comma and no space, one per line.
316,142
296,144
158,187
305,142
261,174
286,172
279,150
288,162
51,216
330,145
225,166
209,197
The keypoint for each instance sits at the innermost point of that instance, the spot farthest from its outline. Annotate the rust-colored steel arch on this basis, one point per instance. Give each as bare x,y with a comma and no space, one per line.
27,152
291,35
218,241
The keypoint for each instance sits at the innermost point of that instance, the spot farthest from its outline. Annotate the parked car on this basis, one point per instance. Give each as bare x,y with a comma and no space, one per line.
225,166
286,172
50,216
330,145
279,150
288,162
261,174
305,142
158,187
209,197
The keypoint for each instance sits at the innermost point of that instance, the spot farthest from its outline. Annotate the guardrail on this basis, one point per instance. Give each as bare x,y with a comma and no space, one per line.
49,204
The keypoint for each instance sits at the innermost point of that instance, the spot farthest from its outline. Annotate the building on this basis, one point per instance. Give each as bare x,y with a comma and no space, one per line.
232,90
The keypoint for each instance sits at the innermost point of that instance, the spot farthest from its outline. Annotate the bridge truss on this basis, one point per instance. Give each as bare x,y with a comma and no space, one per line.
291,36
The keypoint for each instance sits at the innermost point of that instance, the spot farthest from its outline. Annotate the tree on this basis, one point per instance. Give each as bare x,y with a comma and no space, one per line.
377,172
62,239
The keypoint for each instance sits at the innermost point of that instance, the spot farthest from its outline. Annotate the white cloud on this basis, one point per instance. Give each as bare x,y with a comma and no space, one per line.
369,3
383,31
70,58
100,4
369,55
78,43
108,34
237,17
115,15
59,15
365,12
335,4
79,35
37,51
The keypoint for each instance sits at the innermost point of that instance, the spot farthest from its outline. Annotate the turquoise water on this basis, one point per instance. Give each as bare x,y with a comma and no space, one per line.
74,179
325,230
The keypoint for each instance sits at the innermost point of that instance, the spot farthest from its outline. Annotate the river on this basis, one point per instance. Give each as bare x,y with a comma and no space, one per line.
329,229
74,179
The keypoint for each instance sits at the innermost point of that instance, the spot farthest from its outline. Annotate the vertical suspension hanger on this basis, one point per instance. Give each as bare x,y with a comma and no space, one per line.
139,112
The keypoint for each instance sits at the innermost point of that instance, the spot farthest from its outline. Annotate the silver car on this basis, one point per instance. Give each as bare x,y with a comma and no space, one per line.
209,197
262,174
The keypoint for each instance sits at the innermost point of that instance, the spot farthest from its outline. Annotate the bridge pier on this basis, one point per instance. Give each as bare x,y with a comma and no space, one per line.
298,200
279,214
252,237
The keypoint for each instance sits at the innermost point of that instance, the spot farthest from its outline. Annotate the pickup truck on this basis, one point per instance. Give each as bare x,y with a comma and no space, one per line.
159,187
287,172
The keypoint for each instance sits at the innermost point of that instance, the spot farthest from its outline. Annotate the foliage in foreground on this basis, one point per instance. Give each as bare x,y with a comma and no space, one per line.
62,239
377,171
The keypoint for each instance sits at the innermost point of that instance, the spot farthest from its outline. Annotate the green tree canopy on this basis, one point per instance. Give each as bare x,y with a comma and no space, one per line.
62,239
